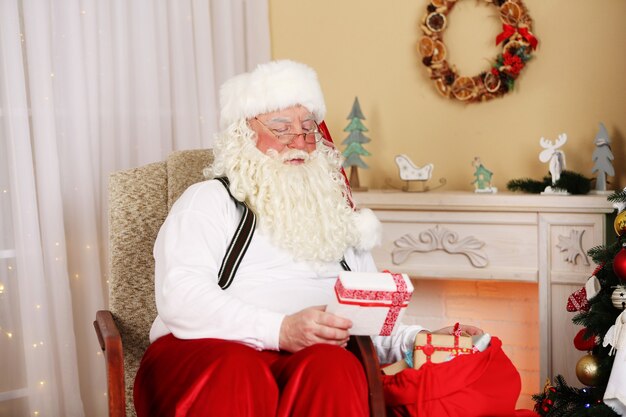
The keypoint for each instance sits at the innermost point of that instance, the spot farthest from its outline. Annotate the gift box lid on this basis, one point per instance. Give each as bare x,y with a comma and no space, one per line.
375,288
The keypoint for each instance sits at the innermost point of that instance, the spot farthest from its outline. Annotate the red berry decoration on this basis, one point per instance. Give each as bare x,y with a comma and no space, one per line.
619,265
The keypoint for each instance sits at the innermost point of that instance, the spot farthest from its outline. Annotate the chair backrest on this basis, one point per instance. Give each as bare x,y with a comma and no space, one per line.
139,200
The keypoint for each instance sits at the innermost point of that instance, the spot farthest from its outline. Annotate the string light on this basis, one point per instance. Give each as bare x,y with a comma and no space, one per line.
9,335
36,413
1,288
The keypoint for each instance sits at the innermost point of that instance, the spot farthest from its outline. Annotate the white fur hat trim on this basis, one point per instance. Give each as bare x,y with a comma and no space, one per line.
369,228
272,86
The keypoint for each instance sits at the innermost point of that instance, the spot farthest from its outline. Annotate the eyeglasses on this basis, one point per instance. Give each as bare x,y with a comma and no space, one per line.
311,136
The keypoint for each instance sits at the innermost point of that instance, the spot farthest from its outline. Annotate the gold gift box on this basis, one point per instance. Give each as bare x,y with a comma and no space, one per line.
438,348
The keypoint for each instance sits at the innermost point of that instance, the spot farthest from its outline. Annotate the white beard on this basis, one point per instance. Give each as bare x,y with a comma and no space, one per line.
303,208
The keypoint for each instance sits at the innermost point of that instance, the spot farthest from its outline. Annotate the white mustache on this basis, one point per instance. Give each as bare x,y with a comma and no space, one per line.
294,154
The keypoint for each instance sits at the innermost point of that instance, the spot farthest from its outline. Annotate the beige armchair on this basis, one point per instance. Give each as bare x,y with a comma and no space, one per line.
139,201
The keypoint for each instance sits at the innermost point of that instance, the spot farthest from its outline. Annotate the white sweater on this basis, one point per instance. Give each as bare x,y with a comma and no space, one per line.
269,283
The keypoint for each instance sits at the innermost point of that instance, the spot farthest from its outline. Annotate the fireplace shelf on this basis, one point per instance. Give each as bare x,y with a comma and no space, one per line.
504,237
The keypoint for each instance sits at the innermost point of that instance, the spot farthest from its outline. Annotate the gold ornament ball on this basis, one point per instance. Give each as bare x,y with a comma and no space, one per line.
618,298
620,223
587,370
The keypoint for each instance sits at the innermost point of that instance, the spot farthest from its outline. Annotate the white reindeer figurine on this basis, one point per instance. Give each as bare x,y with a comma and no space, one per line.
556,157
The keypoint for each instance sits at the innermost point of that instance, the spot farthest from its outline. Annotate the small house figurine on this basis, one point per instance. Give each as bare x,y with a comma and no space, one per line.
482,178
602,159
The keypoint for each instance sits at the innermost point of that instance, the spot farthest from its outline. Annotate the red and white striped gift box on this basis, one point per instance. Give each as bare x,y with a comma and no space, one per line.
374,301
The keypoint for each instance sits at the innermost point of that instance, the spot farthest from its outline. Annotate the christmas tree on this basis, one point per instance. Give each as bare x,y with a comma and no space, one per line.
602,158
600,307
354,145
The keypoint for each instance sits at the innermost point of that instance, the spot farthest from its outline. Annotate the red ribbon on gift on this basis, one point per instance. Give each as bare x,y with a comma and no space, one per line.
395,300
398,300
508,31
429,348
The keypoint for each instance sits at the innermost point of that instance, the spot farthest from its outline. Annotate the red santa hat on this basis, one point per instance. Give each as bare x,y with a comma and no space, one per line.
275,86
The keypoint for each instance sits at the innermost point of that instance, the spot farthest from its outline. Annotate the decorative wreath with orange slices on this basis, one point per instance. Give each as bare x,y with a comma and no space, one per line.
516,38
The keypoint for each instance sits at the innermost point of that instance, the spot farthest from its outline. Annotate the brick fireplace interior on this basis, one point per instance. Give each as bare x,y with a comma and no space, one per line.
508,310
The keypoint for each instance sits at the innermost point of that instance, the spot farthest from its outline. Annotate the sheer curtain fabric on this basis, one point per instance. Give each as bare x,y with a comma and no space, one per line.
88,88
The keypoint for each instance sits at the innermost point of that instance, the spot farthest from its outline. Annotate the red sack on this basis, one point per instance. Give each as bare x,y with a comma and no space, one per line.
481,384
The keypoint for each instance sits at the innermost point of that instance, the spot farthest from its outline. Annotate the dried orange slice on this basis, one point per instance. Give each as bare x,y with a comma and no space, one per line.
439,51
492,82
443,89
438,3
463,88
426,46
436,21
510,13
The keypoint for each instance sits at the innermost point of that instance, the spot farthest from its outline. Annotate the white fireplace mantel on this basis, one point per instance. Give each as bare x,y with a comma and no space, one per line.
504,237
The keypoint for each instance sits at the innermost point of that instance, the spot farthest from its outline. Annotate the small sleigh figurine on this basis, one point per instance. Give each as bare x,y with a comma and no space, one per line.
409,172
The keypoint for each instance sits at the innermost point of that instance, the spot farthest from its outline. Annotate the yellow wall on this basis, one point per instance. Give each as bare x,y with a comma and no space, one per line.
366,48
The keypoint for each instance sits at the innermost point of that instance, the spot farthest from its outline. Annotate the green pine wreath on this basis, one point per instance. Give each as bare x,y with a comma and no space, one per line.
516,38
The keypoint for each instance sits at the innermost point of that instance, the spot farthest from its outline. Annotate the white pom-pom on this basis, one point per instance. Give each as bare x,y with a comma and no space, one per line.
369,228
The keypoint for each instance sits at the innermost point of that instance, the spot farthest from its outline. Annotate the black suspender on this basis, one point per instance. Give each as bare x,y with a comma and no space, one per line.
344,265
240,242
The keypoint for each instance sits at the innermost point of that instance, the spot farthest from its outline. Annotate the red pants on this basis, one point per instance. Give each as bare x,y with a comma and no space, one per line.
212,377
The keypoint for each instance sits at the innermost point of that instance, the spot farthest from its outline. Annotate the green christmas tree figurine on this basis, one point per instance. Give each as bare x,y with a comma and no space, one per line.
354,145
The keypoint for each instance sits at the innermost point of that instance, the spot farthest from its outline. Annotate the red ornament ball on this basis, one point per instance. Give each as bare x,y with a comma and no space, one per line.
619,264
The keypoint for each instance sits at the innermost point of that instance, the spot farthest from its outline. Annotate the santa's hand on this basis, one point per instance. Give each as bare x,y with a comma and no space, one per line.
471,330
310,326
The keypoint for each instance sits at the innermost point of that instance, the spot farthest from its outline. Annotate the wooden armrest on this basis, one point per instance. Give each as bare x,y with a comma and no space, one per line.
111,344
363,348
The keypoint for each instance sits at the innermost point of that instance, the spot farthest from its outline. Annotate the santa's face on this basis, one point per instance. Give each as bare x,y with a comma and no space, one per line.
302,207
285,130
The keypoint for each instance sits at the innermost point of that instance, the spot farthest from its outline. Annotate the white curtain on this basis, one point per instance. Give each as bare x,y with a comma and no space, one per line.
87,88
